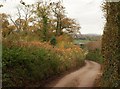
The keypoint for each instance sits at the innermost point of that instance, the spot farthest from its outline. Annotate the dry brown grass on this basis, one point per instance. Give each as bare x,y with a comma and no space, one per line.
94,45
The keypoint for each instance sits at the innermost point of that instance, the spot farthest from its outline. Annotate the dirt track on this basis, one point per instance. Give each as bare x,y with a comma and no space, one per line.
84,77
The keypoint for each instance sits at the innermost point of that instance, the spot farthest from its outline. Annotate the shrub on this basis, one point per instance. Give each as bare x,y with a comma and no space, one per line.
30,63
95,55
27,64
53,41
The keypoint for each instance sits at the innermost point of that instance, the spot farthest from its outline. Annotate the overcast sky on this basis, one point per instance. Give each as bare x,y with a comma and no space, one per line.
87,12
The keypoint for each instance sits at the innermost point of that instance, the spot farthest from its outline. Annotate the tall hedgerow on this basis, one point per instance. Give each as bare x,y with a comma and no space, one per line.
111,45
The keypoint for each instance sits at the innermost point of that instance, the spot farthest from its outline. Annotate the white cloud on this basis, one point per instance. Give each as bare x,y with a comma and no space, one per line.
88,13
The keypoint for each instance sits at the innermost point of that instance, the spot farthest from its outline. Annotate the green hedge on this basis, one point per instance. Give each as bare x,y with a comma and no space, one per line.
95,55
24,65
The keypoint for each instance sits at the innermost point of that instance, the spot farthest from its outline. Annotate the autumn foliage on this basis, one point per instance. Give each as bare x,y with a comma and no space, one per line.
30,63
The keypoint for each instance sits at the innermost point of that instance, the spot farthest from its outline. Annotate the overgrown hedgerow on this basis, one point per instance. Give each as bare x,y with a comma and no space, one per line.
28,64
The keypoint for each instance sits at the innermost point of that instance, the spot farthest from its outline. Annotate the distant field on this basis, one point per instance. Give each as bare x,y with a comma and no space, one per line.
77,41
91,45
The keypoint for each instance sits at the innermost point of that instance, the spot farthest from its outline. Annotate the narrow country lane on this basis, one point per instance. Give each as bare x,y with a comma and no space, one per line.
84,77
